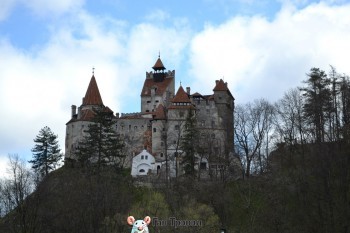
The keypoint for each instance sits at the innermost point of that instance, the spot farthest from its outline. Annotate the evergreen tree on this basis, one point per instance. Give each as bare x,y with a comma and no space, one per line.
188,144
101,145
46,152
318,102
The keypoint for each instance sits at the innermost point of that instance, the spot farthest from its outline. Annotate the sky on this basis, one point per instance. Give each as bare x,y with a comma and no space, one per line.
261,48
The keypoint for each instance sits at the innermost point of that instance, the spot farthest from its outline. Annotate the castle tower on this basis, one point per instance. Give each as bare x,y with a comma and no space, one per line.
158,88
79,122
224,102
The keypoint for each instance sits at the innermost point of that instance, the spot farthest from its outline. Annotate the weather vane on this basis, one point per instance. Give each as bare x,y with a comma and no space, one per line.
93,70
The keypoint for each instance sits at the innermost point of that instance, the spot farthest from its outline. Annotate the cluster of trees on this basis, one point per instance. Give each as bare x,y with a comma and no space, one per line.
317,112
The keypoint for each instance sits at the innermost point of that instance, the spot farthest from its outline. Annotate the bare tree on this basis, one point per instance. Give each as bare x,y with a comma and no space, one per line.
14,193
252,124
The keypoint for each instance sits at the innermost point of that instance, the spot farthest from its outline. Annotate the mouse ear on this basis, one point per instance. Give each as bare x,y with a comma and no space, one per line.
131,220
147,220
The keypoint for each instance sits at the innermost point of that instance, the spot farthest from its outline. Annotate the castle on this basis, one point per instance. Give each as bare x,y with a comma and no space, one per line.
160,125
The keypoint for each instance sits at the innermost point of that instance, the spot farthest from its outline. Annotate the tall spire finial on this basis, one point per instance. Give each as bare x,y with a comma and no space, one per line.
93,71
159,54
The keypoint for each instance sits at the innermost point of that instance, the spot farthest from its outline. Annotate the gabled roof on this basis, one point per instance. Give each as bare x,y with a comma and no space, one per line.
158,65
222,86
181,96
92,96
159,86
197,95
159,114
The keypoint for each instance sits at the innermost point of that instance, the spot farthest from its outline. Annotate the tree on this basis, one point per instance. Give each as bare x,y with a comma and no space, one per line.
46,152
252,125
318,102
14,193
101,145
188,144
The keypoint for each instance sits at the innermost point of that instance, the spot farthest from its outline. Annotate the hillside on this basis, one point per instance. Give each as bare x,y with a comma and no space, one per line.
305,189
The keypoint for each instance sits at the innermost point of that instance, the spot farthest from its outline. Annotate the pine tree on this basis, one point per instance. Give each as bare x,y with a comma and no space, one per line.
318,101
46,152
189,144
101,145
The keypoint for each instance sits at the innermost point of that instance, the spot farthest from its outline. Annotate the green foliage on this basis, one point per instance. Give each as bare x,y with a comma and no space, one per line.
189,144
101,145
46,152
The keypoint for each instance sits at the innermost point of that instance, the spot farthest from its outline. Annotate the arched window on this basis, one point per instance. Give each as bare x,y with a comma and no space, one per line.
142,170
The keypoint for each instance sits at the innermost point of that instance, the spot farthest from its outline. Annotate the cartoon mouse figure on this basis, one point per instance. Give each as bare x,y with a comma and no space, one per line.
139,226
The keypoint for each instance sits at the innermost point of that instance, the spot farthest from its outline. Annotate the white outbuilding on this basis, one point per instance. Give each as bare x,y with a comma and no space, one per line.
143,164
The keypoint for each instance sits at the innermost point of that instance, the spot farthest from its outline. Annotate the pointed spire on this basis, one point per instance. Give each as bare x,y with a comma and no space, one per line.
92,96
181,96
159,64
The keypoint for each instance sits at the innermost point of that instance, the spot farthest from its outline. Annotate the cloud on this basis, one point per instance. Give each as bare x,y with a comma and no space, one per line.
38,86
263,58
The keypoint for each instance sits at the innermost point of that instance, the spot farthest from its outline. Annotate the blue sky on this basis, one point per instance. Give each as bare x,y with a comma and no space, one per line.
48,48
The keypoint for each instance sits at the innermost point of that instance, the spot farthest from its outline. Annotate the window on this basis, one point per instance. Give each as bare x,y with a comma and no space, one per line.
157,101
147,110
142,171
146,157
148,101
129,127
142,157
161,155
154,130
203,166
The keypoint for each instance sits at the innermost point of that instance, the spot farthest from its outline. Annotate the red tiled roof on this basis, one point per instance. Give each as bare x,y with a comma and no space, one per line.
197,95
222,86
87,115
160,86
92,96
159,65
181,96
107,109
159,114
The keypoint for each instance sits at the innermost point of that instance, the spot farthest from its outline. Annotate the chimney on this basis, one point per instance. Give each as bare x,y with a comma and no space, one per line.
74,110
216,82
188,90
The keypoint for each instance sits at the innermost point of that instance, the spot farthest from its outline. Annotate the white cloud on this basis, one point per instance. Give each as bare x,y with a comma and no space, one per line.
38,87
261,58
